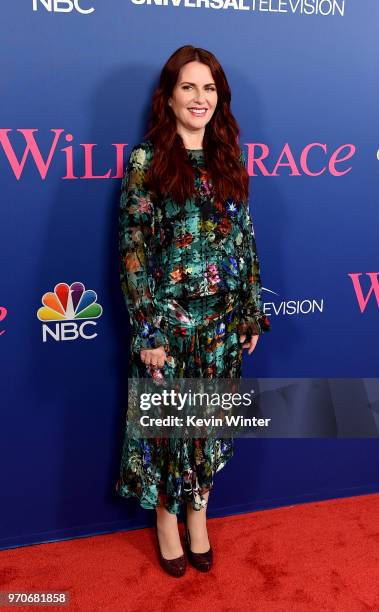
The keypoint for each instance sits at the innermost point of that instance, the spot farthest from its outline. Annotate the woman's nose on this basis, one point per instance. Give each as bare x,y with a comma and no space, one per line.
199,99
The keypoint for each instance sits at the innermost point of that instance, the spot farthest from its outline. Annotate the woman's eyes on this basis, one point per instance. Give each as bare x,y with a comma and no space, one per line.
209,88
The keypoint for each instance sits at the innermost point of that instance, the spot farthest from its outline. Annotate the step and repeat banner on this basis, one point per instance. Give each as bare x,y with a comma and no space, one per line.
77,80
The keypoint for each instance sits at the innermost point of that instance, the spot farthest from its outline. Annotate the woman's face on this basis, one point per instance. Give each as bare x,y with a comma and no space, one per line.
195,89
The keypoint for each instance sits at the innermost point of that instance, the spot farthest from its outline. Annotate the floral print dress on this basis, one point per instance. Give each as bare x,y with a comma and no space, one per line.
190,277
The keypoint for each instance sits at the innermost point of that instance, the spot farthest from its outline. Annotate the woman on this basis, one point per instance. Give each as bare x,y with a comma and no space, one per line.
191,281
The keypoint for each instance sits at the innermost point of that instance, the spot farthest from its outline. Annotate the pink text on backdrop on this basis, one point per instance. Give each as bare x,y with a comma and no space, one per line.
374,288
3,314
258,156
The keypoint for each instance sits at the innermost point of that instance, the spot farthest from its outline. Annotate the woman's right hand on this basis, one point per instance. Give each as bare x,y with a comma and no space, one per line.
154,357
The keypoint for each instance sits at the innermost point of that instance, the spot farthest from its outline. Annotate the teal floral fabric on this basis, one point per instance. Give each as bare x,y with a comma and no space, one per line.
197,248
203,342
191,281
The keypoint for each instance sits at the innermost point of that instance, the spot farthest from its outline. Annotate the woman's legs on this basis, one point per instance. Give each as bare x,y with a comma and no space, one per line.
168,533
197,525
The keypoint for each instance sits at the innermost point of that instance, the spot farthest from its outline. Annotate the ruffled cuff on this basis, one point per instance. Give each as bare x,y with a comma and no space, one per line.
253,323
149,336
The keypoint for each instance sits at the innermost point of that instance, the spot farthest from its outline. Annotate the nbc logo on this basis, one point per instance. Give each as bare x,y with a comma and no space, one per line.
69,307
61,6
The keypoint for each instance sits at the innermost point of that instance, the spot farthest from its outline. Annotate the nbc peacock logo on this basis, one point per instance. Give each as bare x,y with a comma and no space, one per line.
68,312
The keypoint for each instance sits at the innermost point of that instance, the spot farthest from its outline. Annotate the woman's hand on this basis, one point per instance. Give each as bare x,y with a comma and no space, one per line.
249,345
154,357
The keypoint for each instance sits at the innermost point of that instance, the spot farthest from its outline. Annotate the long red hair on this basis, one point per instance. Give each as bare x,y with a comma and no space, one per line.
170,172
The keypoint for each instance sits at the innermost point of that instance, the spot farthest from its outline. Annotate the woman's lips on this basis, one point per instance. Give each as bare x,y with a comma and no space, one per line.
195,113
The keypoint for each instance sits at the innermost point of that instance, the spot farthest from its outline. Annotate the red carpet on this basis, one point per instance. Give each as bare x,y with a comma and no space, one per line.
321,556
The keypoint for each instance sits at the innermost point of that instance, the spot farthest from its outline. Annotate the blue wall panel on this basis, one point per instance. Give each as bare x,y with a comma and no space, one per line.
297,79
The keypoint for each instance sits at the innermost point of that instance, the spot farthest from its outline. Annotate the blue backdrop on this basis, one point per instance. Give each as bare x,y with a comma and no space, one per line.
76,87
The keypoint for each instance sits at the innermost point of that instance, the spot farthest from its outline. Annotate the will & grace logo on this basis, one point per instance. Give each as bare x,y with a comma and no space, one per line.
68,312
373,289
62,6
315,159
3,314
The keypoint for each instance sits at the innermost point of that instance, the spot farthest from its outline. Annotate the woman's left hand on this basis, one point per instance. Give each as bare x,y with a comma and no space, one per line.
249,345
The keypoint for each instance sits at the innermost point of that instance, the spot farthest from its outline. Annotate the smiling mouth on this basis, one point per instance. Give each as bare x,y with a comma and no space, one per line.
197,112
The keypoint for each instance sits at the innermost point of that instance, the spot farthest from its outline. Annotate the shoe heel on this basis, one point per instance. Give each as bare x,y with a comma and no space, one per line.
201,561
175,567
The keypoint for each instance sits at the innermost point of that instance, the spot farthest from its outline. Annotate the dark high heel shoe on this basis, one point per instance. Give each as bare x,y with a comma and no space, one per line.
175,567
201,561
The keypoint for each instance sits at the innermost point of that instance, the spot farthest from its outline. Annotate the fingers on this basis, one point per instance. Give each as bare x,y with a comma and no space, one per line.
153,357
251,344
153,361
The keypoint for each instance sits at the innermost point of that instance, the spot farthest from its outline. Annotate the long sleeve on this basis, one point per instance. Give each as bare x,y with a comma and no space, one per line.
253,320
136,226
